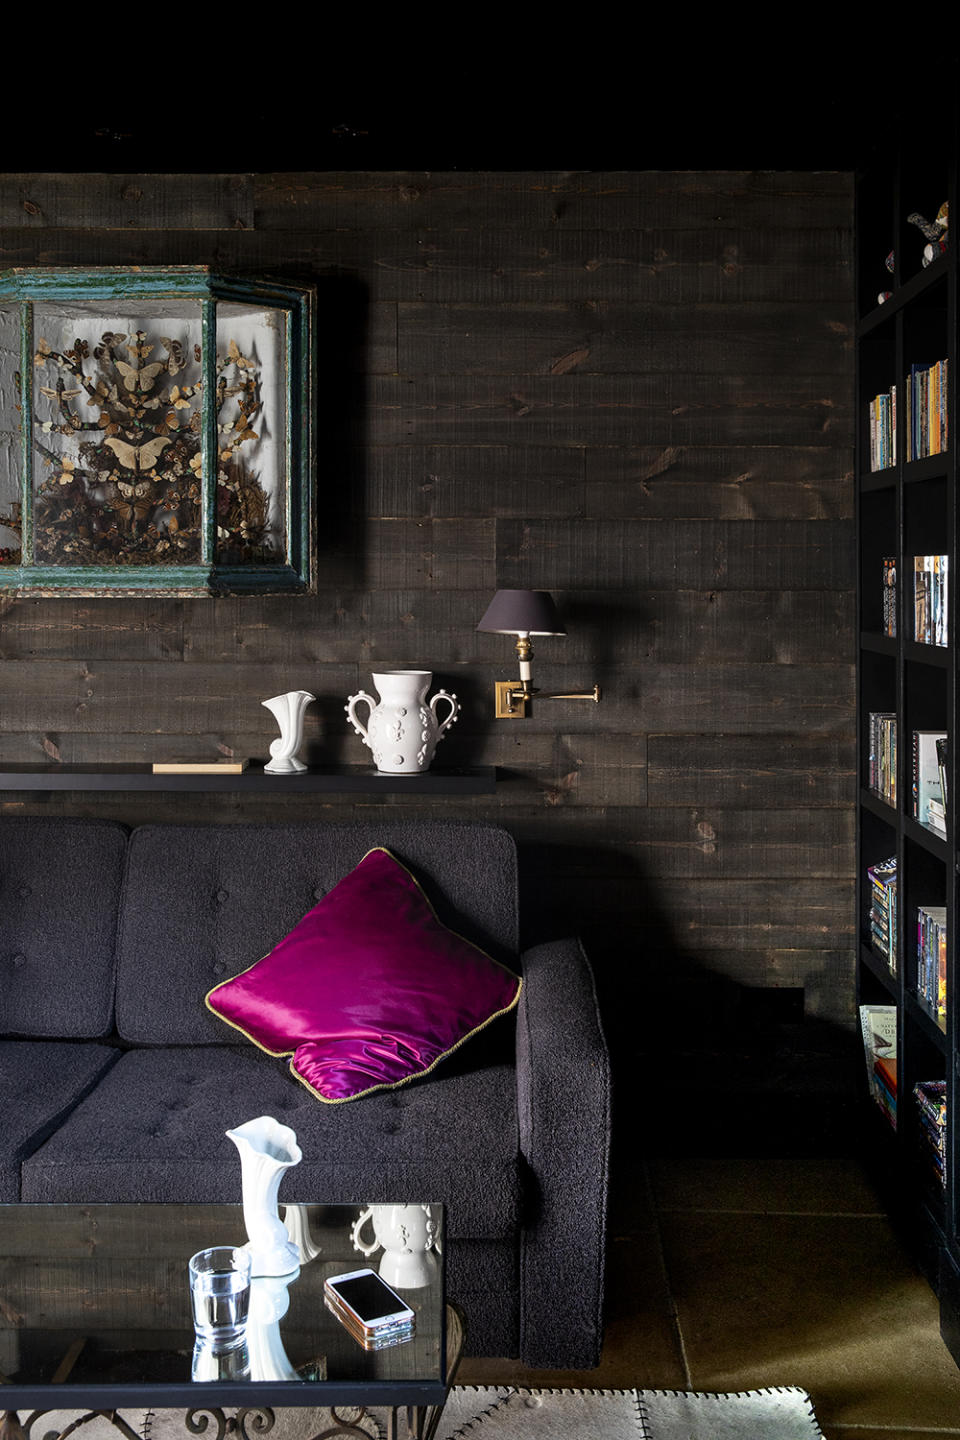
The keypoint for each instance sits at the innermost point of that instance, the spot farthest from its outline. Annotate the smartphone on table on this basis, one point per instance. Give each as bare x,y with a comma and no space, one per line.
367,1306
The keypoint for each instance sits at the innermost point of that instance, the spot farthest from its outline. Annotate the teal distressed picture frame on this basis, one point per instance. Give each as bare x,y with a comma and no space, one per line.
156,432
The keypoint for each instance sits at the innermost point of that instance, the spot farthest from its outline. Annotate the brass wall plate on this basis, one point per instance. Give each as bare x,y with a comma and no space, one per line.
503,709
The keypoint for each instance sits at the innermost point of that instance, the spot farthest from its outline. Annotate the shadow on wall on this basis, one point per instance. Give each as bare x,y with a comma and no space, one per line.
342,359
700,1061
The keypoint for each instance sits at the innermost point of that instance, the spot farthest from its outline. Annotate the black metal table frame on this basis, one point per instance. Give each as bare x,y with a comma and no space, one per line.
420,1422
252,1422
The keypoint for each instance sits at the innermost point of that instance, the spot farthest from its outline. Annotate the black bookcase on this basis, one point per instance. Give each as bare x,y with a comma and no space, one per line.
905,509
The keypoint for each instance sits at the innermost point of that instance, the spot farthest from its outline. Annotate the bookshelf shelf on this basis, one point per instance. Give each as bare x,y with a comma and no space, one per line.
920,1015
908,872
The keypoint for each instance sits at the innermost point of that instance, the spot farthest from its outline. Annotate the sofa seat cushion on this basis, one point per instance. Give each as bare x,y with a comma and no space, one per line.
155,1130
40,1082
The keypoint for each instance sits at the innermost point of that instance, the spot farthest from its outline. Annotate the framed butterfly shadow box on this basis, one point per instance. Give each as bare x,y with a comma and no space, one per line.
156,432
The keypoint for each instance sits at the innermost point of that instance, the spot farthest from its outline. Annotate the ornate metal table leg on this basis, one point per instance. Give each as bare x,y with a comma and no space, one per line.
350,1429
261,1420
10,1427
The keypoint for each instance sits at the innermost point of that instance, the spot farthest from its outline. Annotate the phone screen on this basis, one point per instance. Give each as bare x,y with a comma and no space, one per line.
369,1296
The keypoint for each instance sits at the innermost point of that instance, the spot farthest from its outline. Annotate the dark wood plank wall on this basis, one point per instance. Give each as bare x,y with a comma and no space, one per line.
631,389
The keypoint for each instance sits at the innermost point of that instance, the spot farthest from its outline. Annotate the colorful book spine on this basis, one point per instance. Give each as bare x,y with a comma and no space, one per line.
889,595
930,1102
882,763
882,416
883,910
885,1076
927,420
930,595
878,1027
932,958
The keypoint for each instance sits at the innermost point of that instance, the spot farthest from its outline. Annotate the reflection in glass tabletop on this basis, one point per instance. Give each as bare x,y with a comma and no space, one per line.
95,1311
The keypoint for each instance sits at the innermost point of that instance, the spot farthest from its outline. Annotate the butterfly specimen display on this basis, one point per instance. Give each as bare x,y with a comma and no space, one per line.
118,475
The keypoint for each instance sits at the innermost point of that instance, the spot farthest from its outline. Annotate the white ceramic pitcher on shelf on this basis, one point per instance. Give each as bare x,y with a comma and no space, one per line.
403,730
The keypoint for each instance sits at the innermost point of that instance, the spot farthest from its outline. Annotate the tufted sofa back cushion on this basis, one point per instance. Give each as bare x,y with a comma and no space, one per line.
59,898
203,902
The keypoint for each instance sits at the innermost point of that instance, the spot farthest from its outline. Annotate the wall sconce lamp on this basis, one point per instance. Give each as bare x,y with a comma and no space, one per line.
524,613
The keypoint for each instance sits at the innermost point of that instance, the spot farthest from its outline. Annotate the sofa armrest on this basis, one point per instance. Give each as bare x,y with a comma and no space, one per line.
563,1097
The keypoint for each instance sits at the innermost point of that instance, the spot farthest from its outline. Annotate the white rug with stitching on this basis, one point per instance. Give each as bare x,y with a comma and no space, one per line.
506,1413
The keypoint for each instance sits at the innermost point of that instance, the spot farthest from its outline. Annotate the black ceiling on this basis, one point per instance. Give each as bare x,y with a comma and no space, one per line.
794,105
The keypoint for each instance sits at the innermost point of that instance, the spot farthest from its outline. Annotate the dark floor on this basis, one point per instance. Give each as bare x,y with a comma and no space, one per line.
748,1248
738,1273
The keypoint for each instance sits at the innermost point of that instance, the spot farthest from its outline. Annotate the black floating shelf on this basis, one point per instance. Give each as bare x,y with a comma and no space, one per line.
316,779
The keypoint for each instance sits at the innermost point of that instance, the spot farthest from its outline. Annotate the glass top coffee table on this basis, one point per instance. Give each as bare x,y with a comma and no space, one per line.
95,1314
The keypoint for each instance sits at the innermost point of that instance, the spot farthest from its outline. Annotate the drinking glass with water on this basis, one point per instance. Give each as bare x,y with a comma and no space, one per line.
220,1294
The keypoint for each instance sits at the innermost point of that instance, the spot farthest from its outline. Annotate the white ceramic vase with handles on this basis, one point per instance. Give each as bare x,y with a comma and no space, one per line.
408,1234
403,729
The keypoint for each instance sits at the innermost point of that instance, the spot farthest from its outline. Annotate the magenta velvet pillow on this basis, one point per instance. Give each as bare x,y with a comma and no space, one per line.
369,990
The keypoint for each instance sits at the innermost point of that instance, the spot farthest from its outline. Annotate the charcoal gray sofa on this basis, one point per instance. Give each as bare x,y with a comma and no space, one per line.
116,1083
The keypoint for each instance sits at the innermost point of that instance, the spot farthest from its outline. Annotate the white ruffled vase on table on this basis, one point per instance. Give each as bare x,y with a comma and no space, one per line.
267,1149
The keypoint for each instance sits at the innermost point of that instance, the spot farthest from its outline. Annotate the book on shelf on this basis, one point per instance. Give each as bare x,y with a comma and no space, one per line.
932,958
889,595
930,599
883,429
927,430
883,910
878,1027
930,1102
942,754
926,777
882,759
885,1080
199,767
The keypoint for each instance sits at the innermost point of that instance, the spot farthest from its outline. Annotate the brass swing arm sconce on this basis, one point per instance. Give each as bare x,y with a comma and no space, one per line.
524,613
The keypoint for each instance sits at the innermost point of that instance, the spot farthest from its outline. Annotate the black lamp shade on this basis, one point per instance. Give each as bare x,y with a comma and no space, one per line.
522,612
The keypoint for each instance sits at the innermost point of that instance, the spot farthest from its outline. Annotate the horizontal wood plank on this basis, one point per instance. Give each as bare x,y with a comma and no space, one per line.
593,338
737,482
126,202
693,555
587,410
576,201
791,770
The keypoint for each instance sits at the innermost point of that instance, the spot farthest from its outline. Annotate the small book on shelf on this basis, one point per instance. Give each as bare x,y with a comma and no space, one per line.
882,739
930,1100
926,419
883,910
878,1026
199,767
889,595
932,958
930,586
882,416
